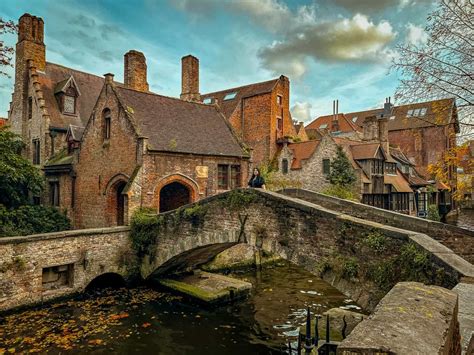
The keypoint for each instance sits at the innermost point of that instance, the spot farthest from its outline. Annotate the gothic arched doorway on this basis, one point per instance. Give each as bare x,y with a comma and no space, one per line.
174,195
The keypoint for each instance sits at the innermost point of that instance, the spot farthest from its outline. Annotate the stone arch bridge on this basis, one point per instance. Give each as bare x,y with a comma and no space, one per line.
38,268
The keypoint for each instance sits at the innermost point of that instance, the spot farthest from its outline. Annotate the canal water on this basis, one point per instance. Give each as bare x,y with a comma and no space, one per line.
147,320
464,219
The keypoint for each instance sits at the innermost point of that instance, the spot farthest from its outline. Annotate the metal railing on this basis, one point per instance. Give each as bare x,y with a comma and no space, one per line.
308,343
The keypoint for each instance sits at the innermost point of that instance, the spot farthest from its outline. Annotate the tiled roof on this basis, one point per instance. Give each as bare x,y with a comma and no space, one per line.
398,182
180,126
89,85
397,154
429,113
228,106
76,132
302,151
3,121
417,181
326,122
361,151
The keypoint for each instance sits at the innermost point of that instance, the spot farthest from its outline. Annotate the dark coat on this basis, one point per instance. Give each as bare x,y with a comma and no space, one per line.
256,181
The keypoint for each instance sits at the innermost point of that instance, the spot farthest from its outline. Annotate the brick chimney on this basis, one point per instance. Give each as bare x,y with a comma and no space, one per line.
190,79
135,70
370,128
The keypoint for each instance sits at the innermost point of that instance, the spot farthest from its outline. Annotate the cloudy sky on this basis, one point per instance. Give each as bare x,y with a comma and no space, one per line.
330,49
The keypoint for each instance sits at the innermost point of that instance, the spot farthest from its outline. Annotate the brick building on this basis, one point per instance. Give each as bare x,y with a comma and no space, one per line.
108,148
379,182
423,131
259,114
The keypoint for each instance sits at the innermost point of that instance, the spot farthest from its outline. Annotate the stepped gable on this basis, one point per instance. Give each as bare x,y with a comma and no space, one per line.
175,125
89,86
229,106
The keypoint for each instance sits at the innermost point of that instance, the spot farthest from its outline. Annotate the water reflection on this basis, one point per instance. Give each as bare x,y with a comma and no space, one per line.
145,320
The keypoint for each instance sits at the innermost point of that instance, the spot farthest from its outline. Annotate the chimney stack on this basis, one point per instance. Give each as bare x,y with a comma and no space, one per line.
387,107
190,79
135,71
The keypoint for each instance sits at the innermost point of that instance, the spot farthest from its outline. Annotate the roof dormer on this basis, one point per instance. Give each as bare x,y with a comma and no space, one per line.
67,93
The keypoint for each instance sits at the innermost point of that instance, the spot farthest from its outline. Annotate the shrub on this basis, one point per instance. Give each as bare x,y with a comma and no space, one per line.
350,268
145,227
28,219
340,192
375,241
433,213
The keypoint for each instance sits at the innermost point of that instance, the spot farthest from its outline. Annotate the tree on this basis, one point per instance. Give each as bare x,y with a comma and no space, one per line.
18,177
444,65
6,52
341,173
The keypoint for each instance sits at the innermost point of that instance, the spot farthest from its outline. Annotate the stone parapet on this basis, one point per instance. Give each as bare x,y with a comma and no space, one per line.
411,319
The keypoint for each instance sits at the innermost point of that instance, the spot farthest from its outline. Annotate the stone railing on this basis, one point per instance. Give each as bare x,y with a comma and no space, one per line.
460,240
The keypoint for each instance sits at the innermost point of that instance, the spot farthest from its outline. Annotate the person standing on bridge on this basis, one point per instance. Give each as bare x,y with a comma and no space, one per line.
257,181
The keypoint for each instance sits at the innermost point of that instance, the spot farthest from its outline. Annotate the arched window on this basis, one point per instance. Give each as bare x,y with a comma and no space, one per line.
107,118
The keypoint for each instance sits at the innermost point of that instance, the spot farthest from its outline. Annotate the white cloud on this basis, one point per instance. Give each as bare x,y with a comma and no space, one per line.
301,111
416,35
347,39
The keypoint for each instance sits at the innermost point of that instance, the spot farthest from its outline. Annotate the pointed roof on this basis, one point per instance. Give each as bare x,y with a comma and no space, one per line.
174,125
54,79
228,106
75,132
302,151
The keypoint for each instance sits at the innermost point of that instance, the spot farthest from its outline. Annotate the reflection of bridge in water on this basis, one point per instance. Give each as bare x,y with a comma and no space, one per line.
41,267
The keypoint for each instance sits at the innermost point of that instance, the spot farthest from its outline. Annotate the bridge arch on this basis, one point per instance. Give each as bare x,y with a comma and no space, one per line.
108,279
174,191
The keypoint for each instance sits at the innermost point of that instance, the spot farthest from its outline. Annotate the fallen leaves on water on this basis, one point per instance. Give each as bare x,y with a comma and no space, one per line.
89,321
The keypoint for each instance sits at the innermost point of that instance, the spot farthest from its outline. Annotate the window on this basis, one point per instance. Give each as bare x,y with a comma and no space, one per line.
57,276
354,119
69,104
73,191
107,123
410,113
326,166
284,166
377,167
279,123
222,177
391,168
323,126
30,107
234,176
228,176
279,99
36,152
54,193
230,95
207,100
423,111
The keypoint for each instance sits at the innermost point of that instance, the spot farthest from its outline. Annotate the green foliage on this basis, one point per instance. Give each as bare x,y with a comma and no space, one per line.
416,263
341,173
375,241
433,213
339,191
194,214
350,268
145,226
32,220
238,199
18,176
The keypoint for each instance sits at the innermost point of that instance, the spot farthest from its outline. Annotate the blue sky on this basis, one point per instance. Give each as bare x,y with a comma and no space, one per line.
330,49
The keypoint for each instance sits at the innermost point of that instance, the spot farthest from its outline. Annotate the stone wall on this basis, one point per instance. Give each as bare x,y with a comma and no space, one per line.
460,240
359,257
75,258
411,319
